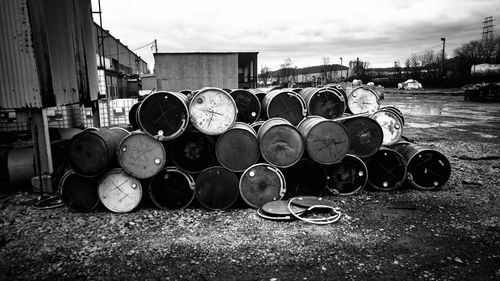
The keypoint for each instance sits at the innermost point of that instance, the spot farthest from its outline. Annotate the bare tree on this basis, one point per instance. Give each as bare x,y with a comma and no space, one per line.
264,74
286,72
325,75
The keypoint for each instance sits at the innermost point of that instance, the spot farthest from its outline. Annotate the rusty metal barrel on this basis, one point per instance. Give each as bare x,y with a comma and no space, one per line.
386,170
363,99
172,189
391,124
428,169
281,144
306,178
119,192
213,111
285,104
164,115
366,135
262,183
260,94
193,151
217,188
323,102
326,141
248,105
79,194
92,152
132,116
347,177
140,155
238,148
396,111
339,89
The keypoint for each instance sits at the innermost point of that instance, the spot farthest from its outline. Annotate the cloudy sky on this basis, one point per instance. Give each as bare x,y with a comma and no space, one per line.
307,31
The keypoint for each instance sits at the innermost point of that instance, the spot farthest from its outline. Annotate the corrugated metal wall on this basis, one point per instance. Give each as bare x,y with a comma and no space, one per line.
18,76
178,71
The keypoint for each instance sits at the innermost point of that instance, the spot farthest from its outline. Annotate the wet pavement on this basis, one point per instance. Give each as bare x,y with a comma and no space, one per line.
448,111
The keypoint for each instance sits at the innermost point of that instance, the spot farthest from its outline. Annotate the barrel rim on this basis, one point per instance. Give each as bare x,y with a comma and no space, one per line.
63,179
266,102
357,189
313,93
371,120
121,171
173,169
197,188
405,174
422,150
272,168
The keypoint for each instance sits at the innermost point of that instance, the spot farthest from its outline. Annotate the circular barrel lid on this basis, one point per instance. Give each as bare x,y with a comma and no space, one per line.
141,156
79,194
278,210
309,201
261,184
391,124
386,169
347,176
163,115
363,100
193,151
248,106
213,111
172,189
366,135
119,192
238,148
285,104
428,169
217,188
325,102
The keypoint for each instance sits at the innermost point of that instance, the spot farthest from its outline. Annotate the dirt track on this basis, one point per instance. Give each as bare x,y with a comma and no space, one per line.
450,234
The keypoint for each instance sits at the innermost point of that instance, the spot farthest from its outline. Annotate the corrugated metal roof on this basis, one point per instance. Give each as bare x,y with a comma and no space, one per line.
18,75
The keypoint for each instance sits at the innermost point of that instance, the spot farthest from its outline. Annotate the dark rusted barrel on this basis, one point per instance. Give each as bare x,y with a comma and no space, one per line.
366,135
306,178
346,177
323,102
141,156
217,188
396,111
92,152
171,189
132,116
259,94
428,169
193,151
119,192
326,140
262,183
248,105
339,89
164,115
391,124
386,170
285,104
238,148
78,193
213,111
281,144
363,99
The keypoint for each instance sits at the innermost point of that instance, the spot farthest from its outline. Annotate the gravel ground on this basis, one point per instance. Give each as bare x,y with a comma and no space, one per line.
449,234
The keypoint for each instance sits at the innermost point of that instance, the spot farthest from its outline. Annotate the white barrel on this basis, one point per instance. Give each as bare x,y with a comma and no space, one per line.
119,192
363,100
391,124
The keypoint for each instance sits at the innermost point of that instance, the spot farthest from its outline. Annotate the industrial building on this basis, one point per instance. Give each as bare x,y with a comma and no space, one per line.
178,71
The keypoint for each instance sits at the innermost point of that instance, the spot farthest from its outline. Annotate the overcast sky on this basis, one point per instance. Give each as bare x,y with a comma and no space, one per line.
377,31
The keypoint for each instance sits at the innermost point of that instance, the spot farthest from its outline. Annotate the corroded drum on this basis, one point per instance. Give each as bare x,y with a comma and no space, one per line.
262,183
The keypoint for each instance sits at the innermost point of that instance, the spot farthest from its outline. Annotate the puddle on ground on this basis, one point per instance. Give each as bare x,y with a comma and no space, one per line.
487,136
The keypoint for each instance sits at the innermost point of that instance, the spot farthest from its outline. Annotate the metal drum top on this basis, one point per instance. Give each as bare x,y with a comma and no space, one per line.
281,144
396,111
213,111
326,140
78,194
164,115
132,116
260,184
119,192
217,188
305,178
193,151
363,100
386,169
238,148
141,156
248,105
172,189
285,104
347,176
391,124
339,89
323,102
366,135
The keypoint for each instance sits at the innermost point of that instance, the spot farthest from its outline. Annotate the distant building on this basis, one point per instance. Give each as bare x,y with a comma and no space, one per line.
178,71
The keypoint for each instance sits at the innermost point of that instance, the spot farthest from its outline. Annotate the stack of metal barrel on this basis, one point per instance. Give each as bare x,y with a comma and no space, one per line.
220,146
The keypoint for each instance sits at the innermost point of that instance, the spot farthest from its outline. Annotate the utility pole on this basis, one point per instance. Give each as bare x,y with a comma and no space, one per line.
442,59
341,69
156,46
357,68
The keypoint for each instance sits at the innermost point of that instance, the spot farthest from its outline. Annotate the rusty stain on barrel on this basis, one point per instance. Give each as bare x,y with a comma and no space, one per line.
323,102
164,115
217,188
141,156
285,104
366,135
326,140
172,189
387,169
281,144
262,183
79,194
238,148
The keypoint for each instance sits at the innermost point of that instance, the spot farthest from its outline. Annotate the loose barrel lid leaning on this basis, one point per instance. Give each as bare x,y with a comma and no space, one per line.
213,111
141,156
262,183
164,115
238,148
